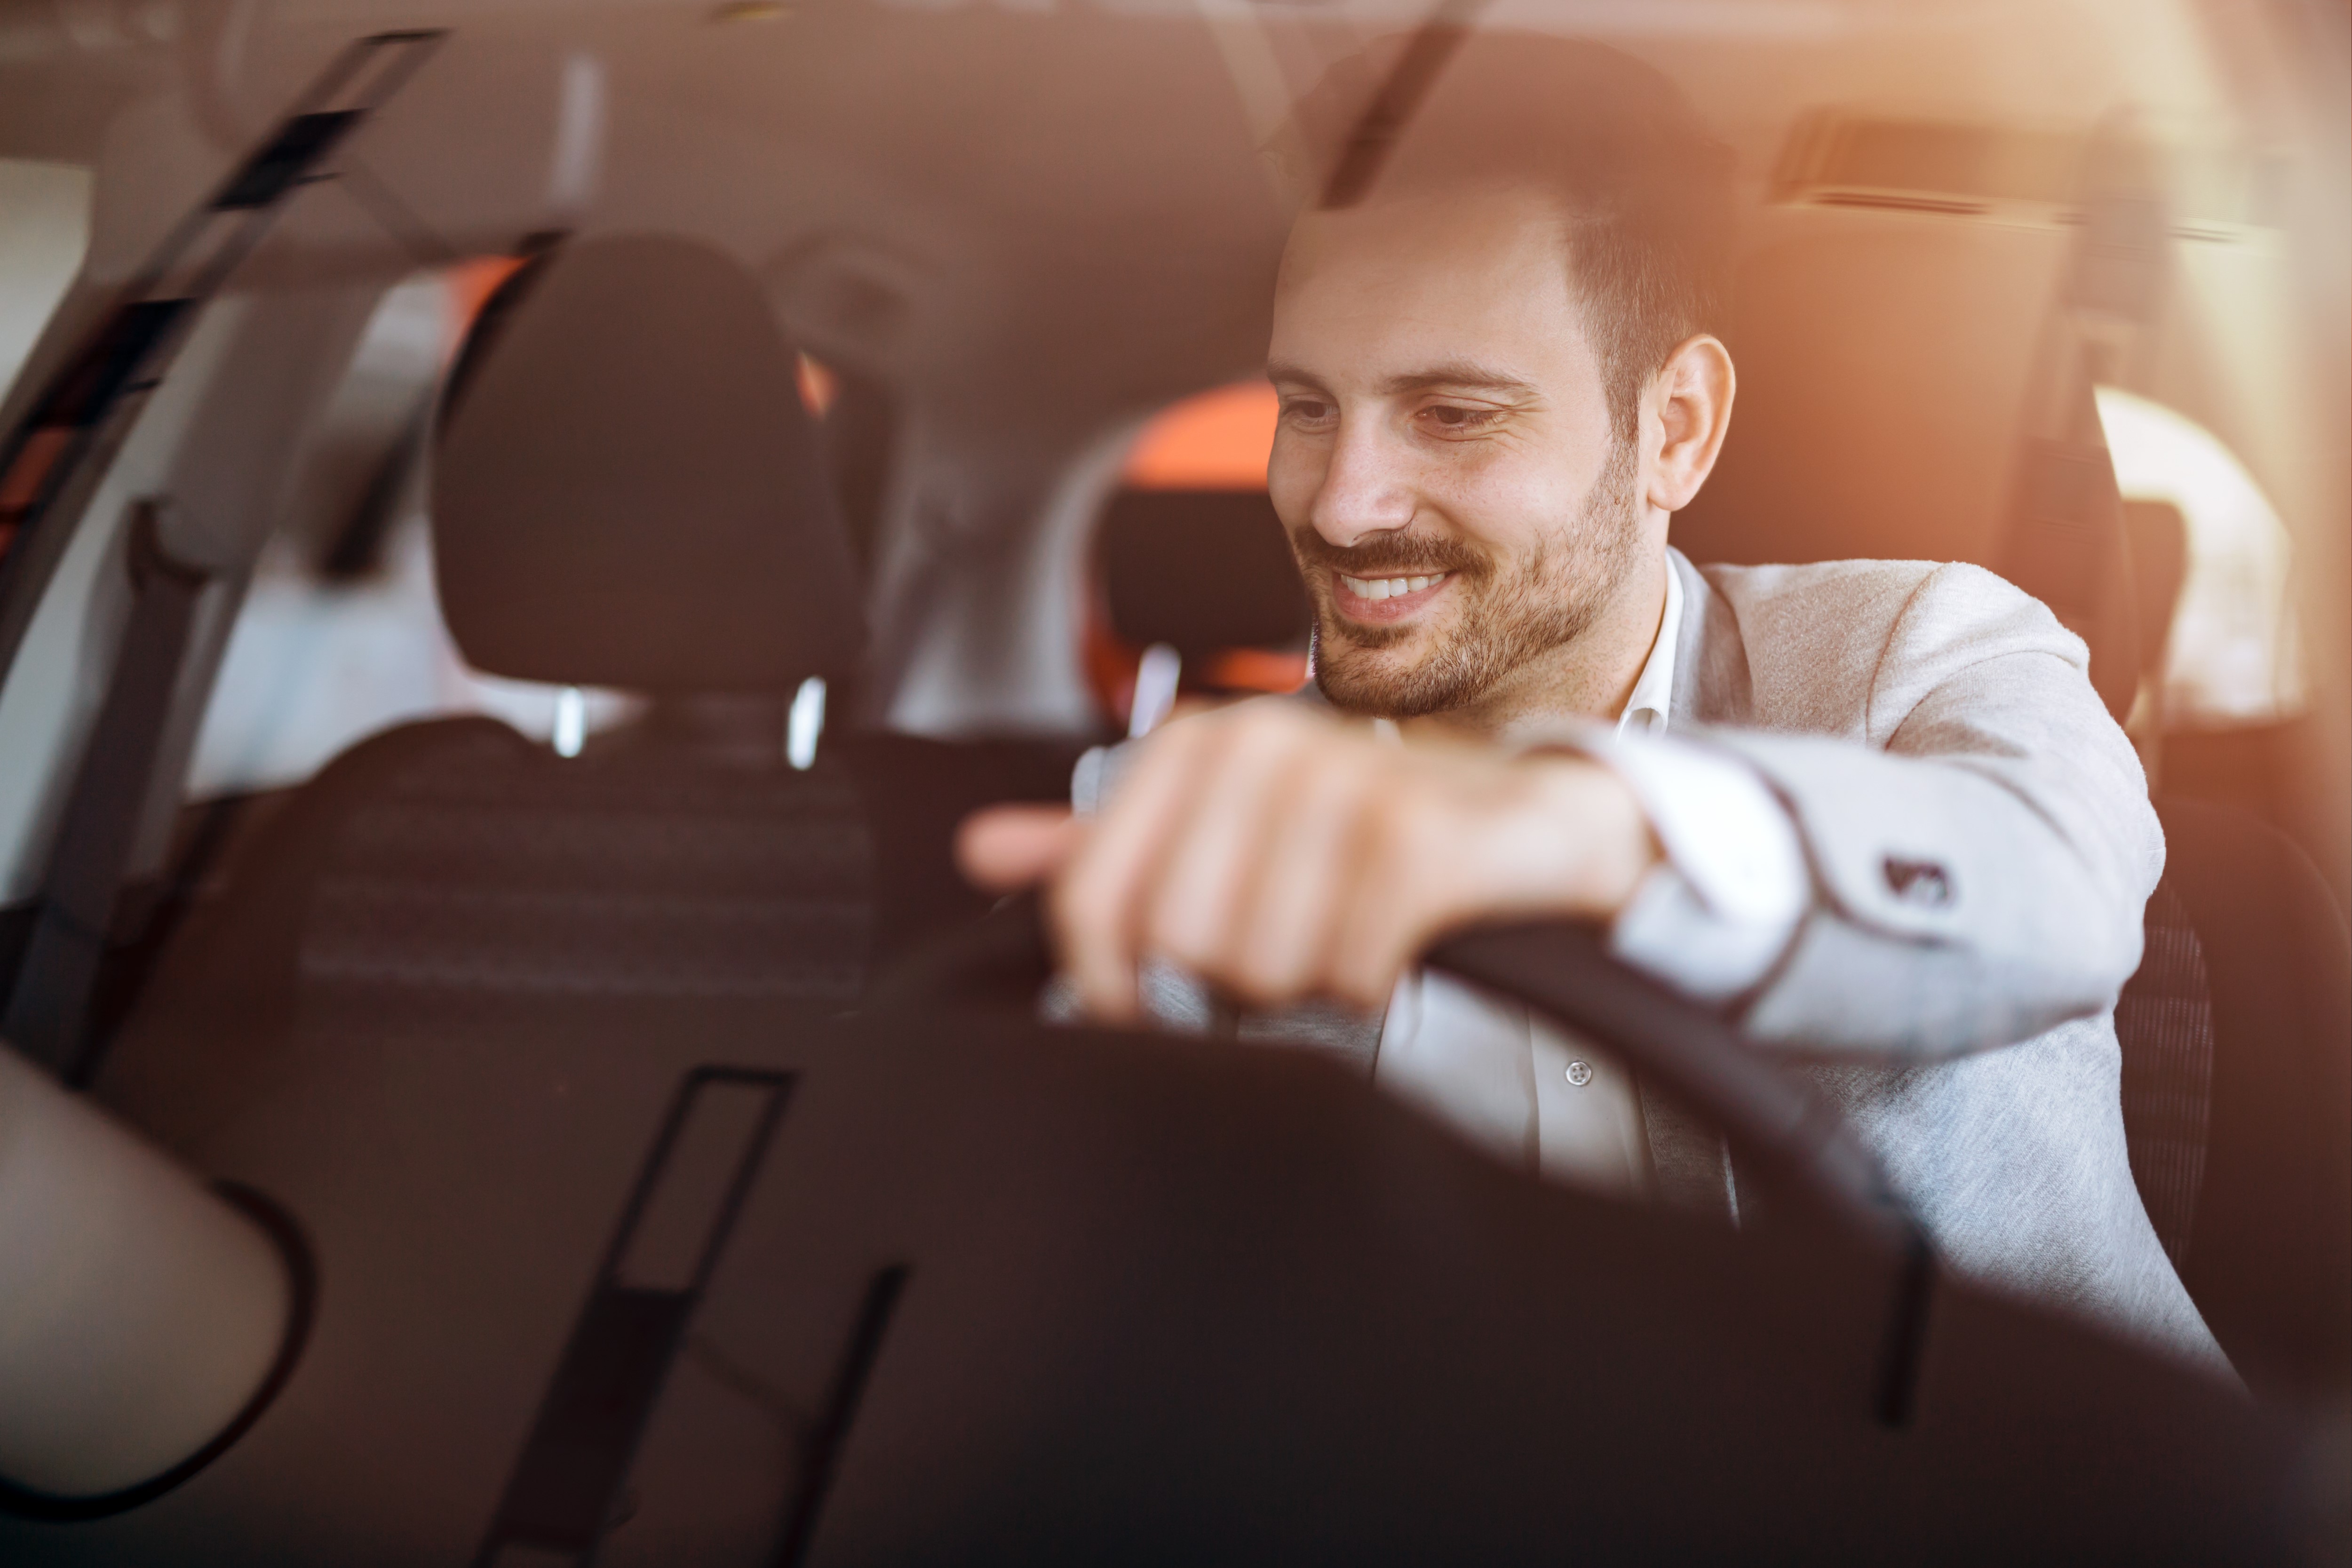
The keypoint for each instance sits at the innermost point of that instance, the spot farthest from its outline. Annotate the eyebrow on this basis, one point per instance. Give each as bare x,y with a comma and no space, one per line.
1461,373
1291,372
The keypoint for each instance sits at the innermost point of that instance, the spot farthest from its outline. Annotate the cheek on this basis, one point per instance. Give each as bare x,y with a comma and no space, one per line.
1505,500
1292,475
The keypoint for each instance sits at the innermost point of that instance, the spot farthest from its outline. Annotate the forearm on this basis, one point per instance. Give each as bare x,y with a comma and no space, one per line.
1958,903
1963,893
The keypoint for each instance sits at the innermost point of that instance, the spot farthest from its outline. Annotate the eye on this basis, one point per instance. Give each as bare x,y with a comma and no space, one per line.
1453,419
1308,412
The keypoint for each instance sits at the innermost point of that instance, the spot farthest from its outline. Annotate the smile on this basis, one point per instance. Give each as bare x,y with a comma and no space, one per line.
1387,598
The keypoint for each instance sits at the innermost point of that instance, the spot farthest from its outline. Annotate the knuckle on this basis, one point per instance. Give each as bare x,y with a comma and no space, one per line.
1083,905
1263,976
1195,950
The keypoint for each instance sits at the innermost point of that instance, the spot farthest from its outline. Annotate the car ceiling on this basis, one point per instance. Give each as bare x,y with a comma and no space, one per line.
1033,220
1021,215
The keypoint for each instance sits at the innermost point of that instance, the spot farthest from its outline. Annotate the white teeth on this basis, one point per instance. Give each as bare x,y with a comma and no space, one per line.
1389,587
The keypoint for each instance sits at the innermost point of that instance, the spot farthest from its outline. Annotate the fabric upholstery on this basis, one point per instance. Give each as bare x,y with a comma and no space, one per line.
2164,1022
489,866
2270,1258
453,864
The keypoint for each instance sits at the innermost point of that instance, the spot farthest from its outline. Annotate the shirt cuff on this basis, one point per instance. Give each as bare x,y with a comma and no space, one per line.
1717,915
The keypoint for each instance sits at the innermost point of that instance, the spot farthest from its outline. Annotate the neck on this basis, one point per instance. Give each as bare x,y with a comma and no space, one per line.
1589,678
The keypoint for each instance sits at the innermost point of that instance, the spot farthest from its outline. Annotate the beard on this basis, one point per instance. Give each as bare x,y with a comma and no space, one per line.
1509,616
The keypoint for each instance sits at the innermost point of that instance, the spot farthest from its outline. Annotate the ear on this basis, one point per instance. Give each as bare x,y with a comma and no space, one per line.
1684,419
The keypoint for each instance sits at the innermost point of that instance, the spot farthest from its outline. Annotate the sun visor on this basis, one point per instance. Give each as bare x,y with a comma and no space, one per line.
627,490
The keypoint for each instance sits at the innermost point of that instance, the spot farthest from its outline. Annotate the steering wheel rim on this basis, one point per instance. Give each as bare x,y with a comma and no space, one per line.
1813,1168
1790,1141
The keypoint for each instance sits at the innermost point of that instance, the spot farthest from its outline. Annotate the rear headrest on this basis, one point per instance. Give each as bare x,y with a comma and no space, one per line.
627,491
1201,570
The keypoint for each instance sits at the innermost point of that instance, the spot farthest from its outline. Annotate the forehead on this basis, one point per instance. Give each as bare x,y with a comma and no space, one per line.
1401,283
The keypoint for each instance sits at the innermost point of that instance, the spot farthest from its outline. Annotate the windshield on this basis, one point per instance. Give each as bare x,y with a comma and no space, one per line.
566,571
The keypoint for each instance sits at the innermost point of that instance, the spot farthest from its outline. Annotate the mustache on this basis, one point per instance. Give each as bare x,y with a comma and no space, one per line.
1386,555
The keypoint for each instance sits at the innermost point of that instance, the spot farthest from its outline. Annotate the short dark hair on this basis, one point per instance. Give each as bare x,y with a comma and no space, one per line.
1646,189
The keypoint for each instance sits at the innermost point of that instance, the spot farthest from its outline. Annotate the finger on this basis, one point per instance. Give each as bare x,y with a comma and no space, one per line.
1197,910
1001,848
1303,879
1395,865
1097,900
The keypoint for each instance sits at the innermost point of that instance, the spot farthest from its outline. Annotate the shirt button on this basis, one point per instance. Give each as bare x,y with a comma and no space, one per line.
1579,1073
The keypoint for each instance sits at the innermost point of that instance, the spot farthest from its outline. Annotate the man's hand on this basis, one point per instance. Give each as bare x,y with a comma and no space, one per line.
1280,854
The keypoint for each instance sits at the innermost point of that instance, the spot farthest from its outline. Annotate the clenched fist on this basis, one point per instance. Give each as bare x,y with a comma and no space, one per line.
1282,853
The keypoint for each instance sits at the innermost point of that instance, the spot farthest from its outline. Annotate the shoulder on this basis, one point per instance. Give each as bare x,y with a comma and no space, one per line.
1827,641
1855,597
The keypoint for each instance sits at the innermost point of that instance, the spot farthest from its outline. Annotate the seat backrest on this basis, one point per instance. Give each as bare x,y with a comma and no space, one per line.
1902,393
2237,1042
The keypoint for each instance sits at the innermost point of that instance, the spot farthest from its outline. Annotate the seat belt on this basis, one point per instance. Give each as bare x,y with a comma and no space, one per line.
2065,544
48,1007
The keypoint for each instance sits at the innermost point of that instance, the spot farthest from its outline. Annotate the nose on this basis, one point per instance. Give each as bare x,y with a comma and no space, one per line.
1365,488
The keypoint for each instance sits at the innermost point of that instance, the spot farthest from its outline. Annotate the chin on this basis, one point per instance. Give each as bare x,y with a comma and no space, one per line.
1376,685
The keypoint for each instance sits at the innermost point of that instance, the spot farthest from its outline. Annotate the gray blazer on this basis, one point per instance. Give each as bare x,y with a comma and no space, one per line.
1982,846
1911,714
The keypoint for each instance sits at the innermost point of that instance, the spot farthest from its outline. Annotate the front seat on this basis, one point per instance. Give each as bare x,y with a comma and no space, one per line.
626,492
2238,1096
1890,367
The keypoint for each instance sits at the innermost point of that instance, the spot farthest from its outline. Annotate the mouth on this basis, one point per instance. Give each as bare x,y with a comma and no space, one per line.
1382,601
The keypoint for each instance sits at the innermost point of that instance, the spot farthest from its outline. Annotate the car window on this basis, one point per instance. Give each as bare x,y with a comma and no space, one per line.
2232,648
43,230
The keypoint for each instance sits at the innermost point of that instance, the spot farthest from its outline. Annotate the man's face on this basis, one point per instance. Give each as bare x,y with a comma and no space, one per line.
1458,502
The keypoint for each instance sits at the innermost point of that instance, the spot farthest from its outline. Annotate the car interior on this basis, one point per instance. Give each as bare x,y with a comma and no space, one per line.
523,537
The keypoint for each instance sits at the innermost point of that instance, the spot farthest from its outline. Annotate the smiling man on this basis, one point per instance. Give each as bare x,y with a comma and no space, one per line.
1873,810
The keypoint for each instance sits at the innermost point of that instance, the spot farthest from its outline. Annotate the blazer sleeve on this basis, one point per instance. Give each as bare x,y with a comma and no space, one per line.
1981,861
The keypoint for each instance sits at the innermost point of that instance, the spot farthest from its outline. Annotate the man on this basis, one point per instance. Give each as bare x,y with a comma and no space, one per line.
1873,809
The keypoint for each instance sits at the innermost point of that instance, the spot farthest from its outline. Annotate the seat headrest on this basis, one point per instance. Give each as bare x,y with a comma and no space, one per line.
1887,373
1201,570
1883,374
627,491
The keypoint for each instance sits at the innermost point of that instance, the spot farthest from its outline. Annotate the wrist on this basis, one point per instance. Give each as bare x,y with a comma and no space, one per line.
1597,842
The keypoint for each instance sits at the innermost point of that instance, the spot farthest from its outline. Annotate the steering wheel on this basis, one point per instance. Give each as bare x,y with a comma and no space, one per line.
1814,1176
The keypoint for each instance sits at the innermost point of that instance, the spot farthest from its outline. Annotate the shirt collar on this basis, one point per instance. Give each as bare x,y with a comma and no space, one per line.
1647,709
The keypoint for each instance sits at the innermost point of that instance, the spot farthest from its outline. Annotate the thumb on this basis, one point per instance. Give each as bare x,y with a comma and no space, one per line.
1004,848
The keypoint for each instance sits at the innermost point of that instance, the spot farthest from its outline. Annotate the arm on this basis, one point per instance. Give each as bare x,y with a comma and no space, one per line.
1981,859
1282,856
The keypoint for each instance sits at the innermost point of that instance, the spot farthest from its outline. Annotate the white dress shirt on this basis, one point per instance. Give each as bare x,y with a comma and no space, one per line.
1711,919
